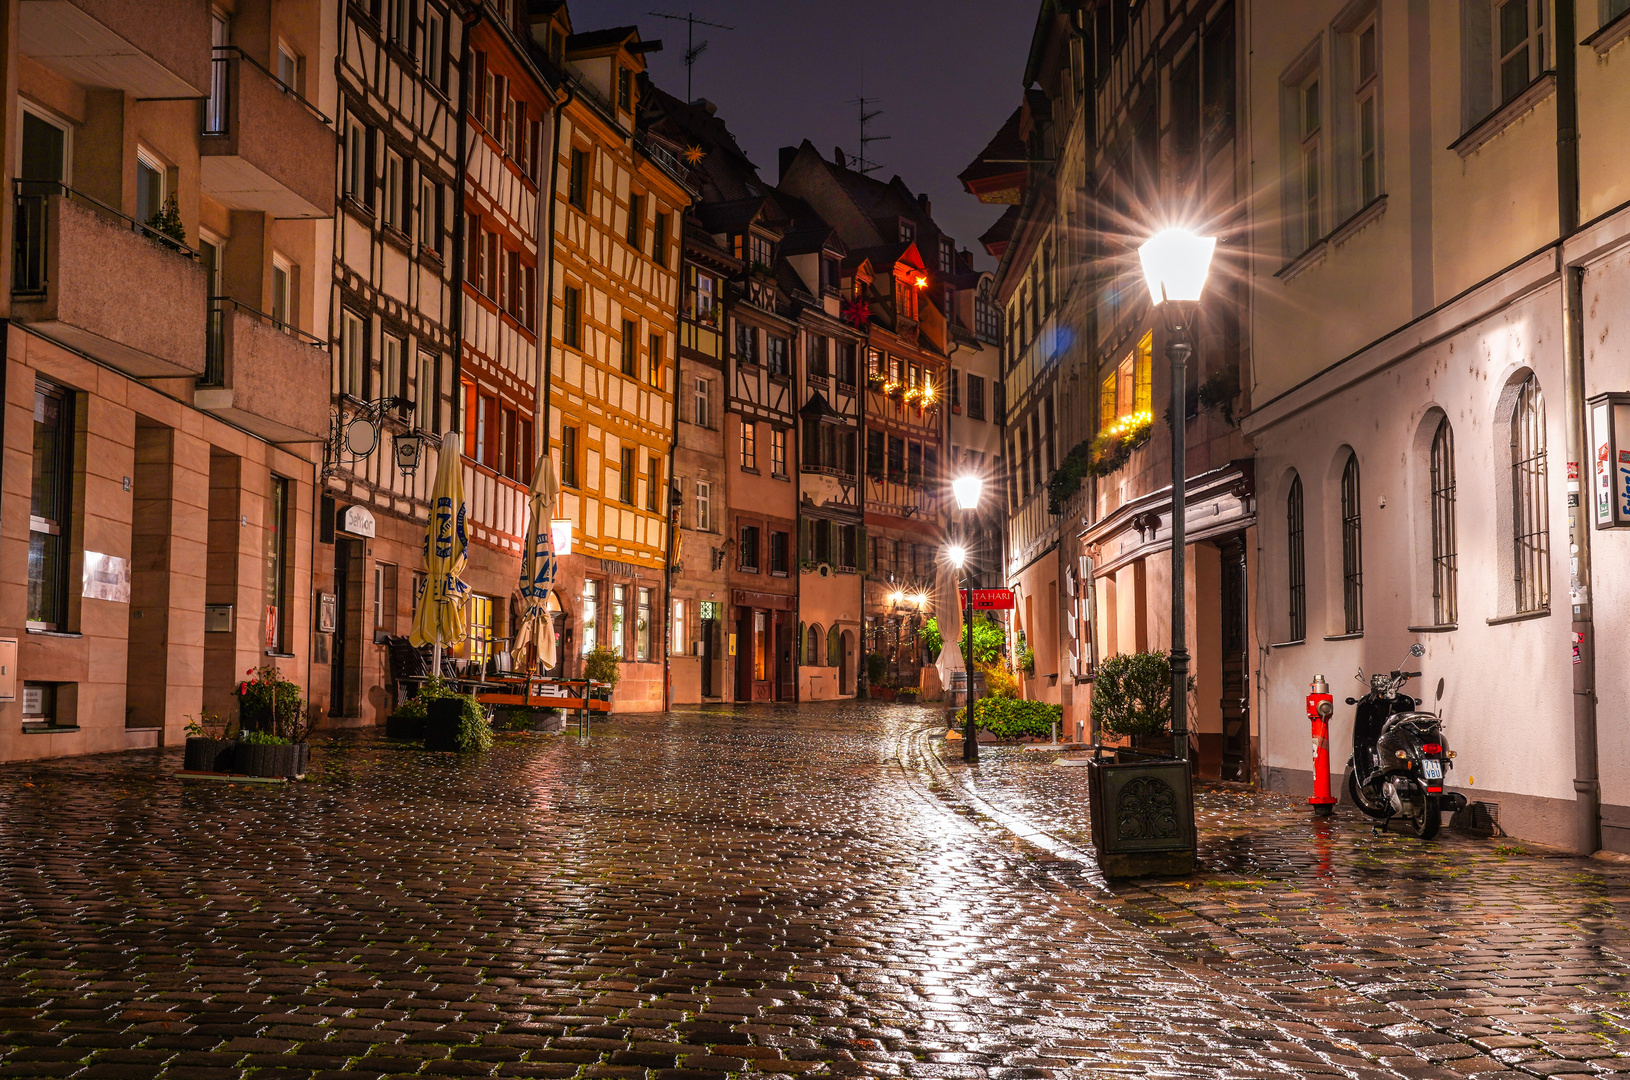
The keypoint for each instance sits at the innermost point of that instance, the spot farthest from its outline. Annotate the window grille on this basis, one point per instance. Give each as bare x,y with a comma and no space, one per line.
1352,549
1445,597
1298,562
1530,514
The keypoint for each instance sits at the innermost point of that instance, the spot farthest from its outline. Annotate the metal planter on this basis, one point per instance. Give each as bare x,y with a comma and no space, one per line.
1142,816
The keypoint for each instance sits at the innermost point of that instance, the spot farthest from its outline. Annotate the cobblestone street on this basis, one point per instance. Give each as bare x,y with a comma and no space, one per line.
771,891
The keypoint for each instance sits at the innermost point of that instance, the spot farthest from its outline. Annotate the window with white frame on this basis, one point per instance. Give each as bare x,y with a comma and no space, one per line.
1530,505
704,506
290,66
395,182
1309,147
429,215
282,293
396,21
356,160
431,47
749,445
1366,112
1445,592
1519,45
150,176
703,398
353,355
393,369
424,391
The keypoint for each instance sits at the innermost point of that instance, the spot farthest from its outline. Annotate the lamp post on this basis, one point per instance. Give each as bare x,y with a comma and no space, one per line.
1175,265
967,489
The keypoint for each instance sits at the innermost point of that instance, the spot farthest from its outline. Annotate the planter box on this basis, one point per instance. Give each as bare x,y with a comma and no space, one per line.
208,755
254,759
1142,816
880,693
404,727
441,723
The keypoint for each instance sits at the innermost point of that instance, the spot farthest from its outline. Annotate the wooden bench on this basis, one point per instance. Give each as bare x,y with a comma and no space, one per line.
536,692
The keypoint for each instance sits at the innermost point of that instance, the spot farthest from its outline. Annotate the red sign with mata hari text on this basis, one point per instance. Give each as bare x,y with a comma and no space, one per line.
988,599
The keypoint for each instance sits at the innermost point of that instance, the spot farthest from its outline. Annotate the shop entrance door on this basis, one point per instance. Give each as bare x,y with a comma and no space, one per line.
1236,690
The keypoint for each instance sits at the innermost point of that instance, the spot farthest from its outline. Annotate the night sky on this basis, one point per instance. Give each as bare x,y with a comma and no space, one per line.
947,73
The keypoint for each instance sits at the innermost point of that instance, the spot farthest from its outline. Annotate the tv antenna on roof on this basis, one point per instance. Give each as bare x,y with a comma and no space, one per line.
863,164
692,49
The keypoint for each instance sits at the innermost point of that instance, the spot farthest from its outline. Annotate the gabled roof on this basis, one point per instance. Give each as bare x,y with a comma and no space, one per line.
995,239
734,216
999,173
627,37
890,255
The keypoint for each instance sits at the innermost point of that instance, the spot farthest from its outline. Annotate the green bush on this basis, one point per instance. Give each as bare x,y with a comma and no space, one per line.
876,666
474,732
1132,694
603,664
261,738
1000,683
907,693
931,638
1009,718
1027,660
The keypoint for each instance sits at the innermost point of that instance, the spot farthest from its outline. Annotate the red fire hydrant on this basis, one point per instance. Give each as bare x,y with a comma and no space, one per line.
1320,707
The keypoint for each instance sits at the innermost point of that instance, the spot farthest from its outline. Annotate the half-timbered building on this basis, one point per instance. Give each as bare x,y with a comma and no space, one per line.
391,329
612,326
507,126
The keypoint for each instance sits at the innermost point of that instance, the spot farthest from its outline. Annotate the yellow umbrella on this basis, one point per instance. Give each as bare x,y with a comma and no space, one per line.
538,567
440,617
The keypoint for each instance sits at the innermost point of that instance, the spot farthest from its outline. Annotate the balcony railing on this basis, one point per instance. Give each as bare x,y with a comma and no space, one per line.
218,106
215,358
31,244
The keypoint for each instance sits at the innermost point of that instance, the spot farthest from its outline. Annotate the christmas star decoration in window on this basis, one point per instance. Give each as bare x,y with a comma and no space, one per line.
694,155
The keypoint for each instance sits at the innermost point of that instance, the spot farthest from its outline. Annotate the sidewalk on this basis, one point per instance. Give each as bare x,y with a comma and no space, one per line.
1481,948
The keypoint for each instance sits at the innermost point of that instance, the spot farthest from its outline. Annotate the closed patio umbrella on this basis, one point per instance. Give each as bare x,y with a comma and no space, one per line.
439,619
538,566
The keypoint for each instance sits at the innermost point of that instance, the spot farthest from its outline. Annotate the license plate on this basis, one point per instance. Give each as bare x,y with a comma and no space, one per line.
1432,770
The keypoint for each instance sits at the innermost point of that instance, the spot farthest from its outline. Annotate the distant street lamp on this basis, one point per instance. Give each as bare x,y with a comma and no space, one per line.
967,489
1175,265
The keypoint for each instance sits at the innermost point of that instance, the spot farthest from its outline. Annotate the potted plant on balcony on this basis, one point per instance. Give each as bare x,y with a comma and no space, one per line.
210,743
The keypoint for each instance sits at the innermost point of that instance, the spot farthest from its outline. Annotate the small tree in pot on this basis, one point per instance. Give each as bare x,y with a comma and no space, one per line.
603,664
1132,696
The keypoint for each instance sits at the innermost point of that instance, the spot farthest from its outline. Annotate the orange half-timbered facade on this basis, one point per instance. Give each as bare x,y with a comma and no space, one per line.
613,336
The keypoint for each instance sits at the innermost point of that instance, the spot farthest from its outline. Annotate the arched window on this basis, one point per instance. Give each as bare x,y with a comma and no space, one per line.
1297,556
1530,512
812,650
1352,549
1445,595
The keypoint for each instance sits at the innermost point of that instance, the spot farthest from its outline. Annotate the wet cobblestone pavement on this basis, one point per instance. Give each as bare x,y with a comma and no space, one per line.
762,894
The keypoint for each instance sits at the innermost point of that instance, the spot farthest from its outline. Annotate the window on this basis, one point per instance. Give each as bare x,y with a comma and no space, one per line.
353,356
631,356
1297,560
577,183
396,22
778,554
702,397
429,215
356,161
1530,508
956,390
430,61
897,459
704,506
761,250
385,597
625,89
625,480
1308,173
508,452
874,454
1444,585
653,369
777,354
590,603
1612,9
513,290
215,104
1352,549
424,404
846,363
395,191
282,293
653,493
278,522
749,548
1519,45
393,371
149,189
50,509
908,231
1365,112
679,638
568,457
636,222
976,397
749,445
914,470
642,624
619,609
571,317
746,344
486,430
481,633
778,452
659,242
704,298
815,361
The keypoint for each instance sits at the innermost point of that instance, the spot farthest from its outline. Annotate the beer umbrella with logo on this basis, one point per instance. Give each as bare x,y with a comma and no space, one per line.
439,619
538,568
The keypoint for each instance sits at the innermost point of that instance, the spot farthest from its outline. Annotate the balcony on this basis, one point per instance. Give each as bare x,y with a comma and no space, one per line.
105,284
147,48
264,376
265,147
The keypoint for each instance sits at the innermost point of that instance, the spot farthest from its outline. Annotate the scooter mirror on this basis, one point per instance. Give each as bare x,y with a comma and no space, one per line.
1440,690
1417,649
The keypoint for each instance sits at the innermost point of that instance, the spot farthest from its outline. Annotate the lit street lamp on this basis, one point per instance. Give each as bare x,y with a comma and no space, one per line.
967,489
1175,265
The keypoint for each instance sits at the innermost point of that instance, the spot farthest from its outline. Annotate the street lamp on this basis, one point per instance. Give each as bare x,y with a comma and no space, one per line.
966,490
1175,265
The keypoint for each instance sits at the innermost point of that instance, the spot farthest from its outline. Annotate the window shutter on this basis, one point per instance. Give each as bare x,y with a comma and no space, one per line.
805,550
863,551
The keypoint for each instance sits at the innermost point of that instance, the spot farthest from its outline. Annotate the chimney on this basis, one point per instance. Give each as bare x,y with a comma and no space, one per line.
788,153
706,106
922,201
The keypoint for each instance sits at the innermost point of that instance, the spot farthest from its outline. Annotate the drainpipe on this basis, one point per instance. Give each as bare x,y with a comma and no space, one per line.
1586,782
668,506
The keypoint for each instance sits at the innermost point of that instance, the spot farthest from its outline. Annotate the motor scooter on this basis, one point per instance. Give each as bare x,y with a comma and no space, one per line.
1400,755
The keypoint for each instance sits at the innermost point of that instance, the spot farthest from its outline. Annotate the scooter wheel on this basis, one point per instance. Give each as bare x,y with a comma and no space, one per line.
1431,819
1357,797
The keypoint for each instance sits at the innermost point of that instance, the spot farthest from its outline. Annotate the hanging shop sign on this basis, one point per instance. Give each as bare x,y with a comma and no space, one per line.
358,521
987,599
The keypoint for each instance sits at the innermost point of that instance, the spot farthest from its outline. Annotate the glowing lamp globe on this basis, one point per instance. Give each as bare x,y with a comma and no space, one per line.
957,554
967,490
1175,264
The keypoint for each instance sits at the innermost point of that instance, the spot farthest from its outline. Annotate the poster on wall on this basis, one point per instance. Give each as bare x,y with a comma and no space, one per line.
107,577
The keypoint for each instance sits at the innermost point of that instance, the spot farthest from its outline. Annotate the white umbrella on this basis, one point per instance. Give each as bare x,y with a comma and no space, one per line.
538,567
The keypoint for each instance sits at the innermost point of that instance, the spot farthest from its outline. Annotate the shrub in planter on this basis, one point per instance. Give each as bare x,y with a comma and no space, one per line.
1000,683
1132,694
268,702
1010,718
933,641
877,665
604,665
453,721
261,753
908,695
407,722
209,743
